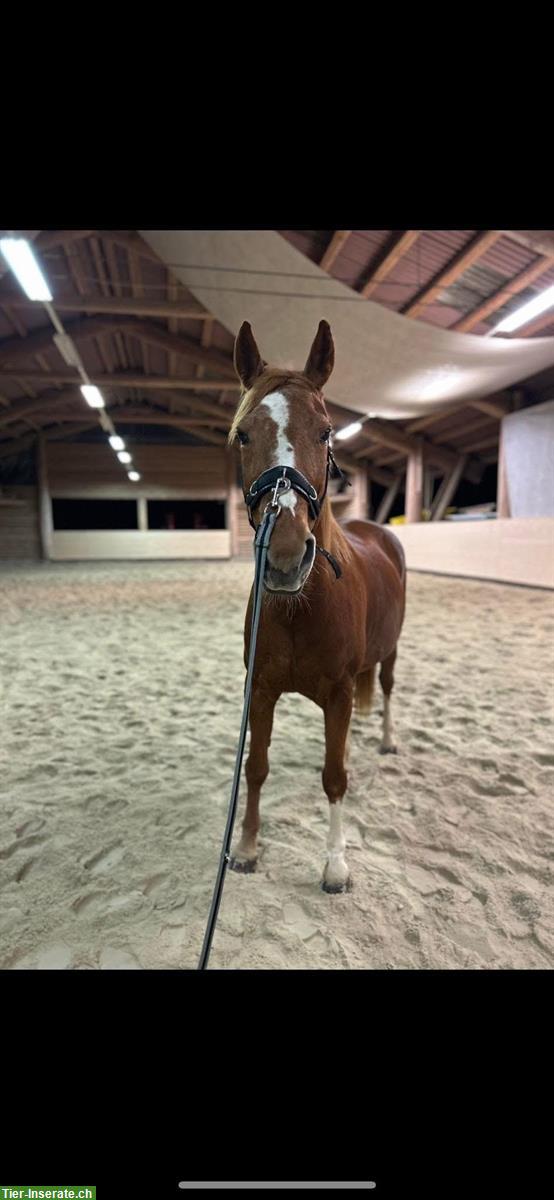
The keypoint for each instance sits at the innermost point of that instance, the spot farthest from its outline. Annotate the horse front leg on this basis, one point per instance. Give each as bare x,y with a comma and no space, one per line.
262,706
338,711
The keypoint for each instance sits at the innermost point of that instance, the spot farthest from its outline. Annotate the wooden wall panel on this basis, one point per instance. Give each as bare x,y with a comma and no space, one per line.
19,525
89,544
168,472
516,550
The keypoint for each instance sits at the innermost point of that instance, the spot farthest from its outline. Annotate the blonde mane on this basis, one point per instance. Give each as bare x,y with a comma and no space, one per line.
329,534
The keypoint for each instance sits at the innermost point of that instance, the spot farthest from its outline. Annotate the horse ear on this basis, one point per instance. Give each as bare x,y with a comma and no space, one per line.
321,358
248,363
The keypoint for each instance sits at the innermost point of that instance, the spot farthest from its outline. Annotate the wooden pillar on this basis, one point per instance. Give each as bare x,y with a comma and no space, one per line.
428,479
502,493
447,489
142,512
388,501
46,521
414,484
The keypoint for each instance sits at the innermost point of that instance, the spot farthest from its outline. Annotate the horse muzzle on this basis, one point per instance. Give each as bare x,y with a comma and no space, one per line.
290,581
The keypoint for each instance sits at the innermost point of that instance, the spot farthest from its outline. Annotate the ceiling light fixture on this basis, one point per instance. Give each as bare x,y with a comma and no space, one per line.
20,257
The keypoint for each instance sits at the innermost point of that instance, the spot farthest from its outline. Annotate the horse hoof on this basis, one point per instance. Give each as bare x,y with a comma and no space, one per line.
244,866
336,889
388,750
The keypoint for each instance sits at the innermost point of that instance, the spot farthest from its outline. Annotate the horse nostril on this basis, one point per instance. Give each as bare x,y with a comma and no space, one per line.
309,552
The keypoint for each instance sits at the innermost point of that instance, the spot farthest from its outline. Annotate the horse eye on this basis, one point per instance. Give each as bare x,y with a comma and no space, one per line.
325,436
243,437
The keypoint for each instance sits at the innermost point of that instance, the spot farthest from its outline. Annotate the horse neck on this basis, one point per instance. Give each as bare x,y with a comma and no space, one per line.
329,535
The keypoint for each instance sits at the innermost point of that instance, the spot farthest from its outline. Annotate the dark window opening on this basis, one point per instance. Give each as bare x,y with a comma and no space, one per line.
94,514
483,492
186,514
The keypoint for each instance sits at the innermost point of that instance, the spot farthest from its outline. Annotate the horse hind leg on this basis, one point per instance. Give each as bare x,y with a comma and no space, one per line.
386,679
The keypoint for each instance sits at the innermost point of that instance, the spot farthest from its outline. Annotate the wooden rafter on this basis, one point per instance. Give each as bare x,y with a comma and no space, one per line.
456,267
421,423
447,489
388,263
541,241
127,379
504,295
404,444
337,243
482,443
50,400
138,294
388,500
117,288
493,408
197,404
106,357
184,310
13,349
130,241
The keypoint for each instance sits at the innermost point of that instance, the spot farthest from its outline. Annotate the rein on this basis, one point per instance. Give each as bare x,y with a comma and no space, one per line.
263,535
278,480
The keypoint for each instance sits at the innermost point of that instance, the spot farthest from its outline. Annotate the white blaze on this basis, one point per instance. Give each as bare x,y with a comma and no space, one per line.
278,406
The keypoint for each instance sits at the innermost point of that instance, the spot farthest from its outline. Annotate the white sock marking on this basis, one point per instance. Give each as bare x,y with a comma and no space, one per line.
337,868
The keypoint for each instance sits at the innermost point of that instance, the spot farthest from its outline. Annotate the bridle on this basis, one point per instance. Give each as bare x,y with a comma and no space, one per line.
283,479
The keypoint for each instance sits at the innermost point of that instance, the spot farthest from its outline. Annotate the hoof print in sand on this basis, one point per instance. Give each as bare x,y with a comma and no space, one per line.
388,749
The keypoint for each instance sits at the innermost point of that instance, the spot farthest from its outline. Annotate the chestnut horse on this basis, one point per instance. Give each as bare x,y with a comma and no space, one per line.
324,626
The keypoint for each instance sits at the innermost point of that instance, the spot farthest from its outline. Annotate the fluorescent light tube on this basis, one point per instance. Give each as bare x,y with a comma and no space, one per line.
92,395
348,431
523,315
20,257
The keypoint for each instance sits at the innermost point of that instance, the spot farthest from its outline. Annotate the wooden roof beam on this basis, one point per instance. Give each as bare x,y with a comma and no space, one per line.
51,401
13,349
504,295
493,408
541,241
186,311
388,263
130,240
124,379
379,431
449,274
337,243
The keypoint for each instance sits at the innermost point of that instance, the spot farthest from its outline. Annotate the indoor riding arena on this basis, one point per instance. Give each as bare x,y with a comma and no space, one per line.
127,562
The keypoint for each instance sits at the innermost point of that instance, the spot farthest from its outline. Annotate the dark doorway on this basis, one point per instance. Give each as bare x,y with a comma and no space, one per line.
186,514
94,514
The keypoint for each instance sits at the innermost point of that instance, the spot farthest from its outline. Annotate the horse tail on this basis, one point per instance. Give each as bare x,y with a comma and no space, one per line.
365,683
